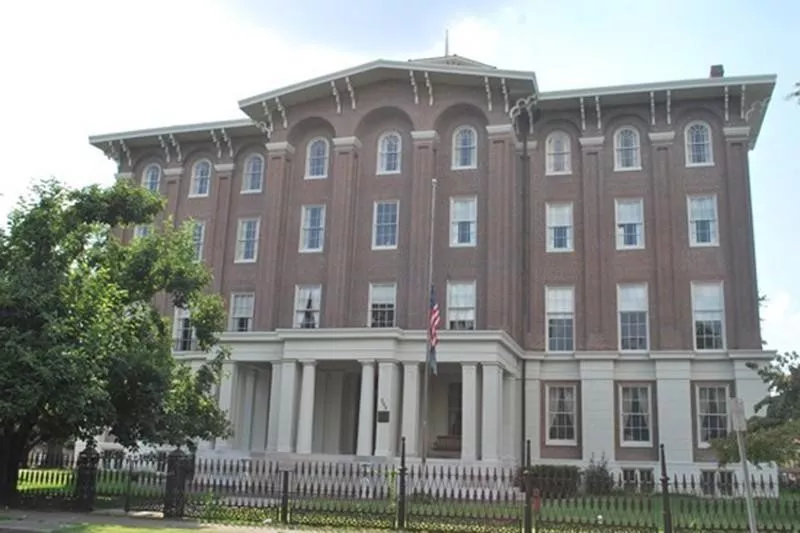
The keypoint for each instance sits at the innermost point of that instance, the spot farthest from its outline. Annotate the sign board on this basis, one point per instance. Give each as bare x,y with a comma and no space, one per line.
737,414
383,417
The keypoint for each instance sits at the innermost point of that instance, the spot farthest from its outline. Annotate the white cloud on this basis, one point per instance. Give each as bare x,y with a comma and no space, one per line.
781,326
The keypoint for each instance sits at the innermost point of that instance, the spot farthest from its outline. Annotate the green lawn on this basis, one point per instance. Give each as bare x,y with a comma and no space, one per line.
109,528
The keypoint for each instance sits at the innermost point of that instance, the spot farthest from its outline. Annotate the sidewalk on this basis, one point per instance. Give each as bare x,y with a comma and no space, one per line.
19,521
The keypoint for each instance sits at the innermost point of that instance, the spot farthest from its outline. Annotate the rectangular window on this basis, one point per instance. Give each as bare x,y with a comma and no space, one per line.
630,223
382,305
198,238
184,332
247,240
712,413
384,225
560,309
461,305
142,230
307,306
242,309
561,415
635,414
463,221
632,303
312,229
703,225
559,227
708,310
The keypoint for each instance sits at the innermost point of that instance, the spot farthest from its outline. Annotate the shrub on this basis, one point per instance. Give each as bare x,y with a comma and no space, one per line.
552,481
597,478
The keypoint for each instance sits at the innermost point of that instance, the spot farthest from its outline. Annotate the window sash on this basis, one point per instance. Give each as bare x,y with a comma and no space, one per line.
198,239
152,178
201,178
703,219
389,153
627,149
254,174
313,227
317,160
305,315
635,415
561,415
247,240
712,413
385,225
558,153
382,305
698,144
465,148
559,226
463,220
242,311
461,300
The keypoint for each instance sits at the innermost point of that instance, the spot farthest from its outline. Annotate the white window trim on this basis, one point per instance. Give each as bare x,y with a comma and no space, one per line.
144,180
201,223
547,320
179,314
453,233
302,245
724,316
638,162
231,318
296,310
369,300
239,226
378,169
561,442
192,194
692,240
244,175
327,158
621,419
643,242
710,162
375,225
698,421
454,159
548,167
474,306
548,241
619,318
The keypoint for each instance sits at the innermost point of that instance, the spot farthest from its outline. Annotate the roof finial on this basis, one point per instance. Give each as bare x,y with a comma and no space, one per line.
446,43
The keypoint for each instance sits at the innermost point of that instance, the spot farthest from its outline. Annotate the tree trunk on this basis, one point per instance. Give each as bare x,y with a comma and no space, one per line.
11,455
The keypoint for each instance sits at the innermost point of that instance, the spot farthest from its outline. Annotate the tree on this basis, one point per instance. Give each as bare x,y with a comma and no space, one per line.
84,347
775,435
795,94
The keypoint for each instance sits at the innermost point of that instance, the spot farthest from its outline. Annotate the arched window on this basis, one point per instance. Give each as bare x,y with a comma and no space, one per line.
465,148
201,178
627,154
317,158
253,177
390,149
151,179
698,144
559,153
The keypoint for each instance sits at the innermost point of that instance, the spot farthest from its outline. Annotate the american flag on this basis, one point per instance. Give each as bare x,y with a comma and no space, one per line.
433,334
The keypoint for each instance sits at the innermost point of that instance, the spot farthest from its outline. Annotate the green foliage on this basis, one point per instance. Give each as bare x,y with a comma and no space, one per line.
85,344
598,478
773,435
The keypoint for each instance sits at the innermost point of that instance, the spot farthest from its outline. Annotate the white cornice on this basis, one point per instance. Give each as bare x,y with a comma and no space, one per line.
280,146
592,141
661,136
223,167
176,171
425,135
736,131
175,130
343,142
497,129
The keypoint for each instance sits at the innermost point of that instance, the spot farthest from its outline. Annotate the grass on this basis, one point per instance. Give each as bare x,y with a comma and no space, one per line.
227,506
110,528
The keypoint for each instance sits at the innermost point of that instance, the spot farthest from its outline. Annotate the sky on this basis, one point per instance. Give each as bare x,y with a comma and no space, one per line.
73,69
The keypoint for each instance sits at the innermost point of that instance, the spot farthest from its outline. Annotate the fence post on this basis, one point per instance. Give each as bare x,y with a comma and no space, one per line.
527,483
129,486
665,508
86,482
285,497
401,504
175,493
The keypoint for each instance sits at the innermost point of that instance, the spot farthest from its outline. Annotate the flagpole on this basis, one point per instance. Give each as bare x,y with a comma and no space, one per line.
426,376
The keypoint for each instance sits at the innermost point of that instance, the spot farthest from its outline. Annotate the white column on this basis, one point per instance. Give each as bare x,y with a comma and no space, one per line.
673,388
388,391
534,425
258,440
247,398
274,407
469,411
511,421
492,426
228,390
287,418
410,427
597,400
366,420
305,428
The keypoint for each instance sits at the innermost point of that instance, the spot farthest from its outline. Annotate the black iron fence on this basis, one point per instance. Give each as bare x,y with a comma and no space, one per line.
413,497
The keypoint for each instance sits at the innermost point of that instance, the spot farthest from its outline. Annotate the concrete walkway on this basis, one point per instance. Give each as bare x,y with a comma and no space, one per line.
17,521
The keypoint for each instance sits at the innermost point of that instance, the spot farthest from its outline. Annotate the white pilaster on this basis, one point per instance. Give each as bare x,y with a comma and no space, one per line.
274,408
258,440
510,416
411,390
388,394
533,409
228,390
675,411
366,419
469,411
287,418
247,397
305,428
492,427
597,393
